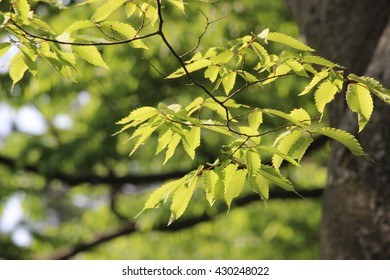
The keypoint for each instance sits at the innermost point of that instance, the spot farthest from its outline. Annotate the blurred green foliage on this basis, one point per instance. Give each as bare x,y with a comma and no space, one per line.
54,172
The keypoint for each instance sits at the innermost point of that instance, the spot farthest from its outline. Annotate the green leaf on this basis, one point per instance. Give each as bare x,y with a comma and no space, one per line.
107,9
279,153
211,73
284,145
288,41
313,59
281,70
229,81
359,100
260,185
261,52
172,147
130,9
163,140
299,148
292,118
325,94
77,25
235,186
316,79
181,198
345,138
139,116
143,132
209,181
22,9
160,195
91,55
17,68
373,86
192,67
301,116
178,4
126,30
191,141
4,47
297,68
276,178
195,105
255,119
253,161
223,57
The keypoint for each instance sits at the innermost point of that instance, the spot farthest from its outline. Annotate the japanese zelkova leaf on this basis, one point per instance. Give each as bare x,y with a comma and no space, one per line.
77,25
297,68
301,116
223,57
22,9
345,138
313,59
139,115
288,41
4,47
300,146
107,9
163,140
359,100
192,67
284,145
143,133
211,73
229,81
209,181
292,118
373,86
161,194
126,30
172,147
255,119
325,94
91,55
283,155
253,161
276,178
17,68
178,4
194,105
260,185
182,197
191,141
130,9
316,79
235,185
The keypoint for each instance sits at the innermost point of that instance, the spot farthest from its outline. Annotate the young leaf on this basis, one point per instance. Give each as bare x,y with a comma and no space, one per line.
299,148
345,138
144,132
280,154
288,41
17,68
126,30
301,116
209,181
284,145
77,25
163,140
281,70
178,4
194,66
4,47
235,185
130,8
373,86
22,9
139,115
260,185
325,94
211,73
229,81
172,147
276,178
194,105
160,195
222,58
253,161
91,55
255,119
359,100
191,141
107,9
316,79
313,59
297,68
181,198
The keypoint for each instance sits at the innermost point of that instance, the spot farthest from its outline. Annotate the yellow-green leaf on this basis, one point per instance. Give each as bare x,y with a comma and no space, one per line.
229,81
91,55
192,67
325,94
255,119
260,185
276,178
178,4
191,141
107,9
359,100
284,145
234,187
4,47
17,68
172,147
163,140
211,73
209,180
130,8
288,41
22,9
316,79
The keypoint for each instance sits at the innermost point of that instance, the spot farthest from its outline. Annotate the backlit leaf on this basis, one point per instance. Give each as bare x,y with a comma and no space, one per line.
229,81
235,186
17,68
288,41
359,100
105,10
91,55
325,94
209,180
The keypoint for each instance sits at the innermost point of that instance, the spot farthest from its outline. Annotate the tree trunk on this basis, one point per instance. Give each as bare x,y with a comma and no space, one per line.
356,205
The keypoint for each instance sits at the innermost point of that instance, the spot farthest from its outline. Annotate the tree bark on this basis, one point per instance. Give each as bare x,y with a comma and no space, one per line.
356,205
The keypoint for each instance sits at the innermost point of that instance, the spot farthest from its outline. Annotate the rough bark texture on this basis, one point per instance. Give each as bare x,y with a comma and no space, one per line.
356,206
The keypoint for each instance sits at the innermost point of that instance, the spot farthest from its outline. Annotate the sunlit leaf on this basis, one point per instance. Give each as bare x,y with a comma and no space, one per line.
359,100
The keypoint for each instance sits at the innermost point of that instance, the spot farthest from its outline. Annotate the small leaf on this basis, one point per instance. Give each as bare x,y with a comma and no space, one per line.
316,79
172,147
4,47
288,41
301,116
192,67
22,9
235,186
260,185
139,115
345,138
130,8
211,73
160,195
91,55
223,57
373,86
297,68
107,9
255,119
191,141
181,198
325,94
77,25
359,100
17,68
194,105
312,59
276,178
144,132
209,180
284,145
279,153
163,140
299,148
253,161
178,4
229,81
